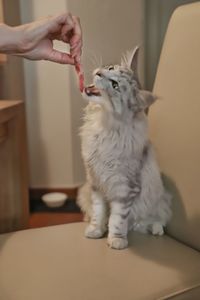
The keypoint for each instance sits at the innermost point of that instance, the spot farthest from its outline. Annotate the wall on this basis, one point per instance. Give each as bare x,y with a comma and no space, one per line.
11,72
54,105
48,110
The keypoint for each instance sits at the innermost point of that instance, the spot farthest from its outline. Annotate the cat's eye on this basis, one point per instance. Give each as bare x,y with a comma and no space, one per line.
110,68
114,84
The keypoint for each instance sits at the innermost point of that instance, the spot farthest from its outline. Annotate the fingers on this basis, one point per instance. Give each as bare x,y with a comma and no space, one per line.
77,31
76,39
66,19
76,51
60,57
68,30
60,25
64,27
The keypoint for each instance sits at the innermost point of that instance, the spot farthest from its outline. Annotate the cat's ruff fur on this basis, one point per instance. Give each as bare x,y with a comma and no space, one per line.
124,190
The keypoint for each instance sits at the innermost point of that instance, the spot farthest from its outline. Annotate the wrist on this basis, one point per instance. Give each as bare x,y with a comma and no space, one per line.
9,39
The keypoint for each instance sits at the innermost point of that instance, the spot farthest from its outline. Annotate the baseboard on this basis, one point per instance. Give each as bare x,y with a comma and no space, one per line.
36,193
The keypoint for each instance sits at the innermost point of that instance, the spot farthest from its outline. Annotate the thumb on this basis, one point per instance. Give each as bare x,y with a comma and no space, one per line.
60,57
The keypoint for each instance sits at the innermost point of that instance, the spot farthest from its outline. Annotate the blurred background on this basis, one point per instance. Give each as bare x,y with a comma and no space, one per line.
54,106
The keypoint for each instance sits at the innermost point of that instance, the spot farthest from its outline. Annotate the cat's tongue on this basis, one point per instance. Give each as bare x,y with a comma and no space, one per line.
91,90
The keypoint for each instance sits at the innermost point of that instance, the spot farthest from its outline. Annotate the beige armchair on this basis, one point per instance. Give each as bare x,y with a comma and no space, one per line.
59,263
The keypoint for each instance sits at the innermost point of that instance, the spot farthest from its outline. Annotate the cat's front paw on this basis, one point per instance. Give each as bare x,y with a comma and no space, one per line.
94,232
157,229
117,243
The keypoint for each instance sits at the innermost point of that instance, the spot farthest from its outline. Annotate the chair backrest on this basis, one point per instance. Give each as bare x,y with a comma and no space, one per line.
175,121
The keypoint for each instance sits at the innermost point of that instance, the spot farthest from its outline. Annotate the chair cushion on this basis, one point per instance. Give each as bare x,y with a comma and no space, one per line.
175,122
60,263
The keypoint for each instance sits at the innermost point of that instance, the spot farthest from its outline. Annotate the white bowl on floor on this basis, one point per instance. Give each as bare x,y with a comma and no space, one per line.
54,199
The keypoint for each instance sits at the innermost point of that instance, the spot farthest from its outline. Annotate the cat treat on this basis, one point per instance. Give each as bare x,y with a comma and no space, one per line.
79,71
90,90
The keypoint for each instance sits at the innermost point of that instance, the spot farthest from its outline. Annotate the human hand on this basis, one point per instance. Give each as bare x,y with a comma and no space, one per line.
35,40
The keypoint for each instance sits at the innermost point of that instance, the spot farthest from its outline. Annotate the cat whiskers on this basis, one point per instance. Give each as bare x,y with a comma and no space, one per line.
95,60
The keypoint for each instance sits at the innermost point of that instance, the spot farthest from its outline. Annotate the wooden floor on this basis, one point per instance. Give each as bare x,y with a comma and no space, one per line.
43,219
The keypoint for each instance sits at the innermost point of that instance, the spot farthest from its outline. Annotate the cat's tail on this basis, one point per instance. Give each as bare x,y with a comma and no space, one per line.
84,201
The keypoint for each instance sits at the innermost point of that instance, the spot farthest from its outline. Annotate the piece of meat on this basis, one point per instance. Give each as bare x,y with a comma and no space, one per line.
79,71
90,90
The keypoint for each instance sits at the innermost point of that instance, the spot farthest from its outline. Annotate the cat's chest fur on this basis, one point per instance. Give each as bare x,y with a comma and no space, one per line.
113,147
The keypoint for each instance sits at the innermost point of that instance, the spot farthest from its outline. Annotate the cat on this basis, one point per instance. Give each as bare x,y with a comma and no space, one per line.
124,190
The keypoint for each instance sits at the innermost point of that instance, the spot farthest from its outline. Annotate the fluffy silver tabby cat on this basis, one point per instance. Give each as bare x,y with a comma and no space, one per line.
124,190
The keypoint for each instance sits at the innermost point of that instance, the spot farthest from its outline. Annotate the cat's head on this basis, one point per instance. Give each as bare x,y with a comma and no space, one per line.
117,87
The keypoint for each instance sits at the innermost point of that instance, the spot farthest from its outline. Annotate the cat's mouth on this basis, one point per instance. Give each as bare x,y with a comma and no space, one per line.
91,90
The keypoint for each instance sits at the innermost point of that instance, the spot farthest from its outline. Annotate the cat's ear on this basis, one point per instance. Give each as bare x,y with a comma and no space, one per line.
146,99
130,60
134,61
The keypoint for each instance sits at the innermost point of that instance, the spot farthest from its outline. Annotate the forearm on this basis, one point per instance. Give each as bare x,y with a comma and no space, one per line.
10,39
